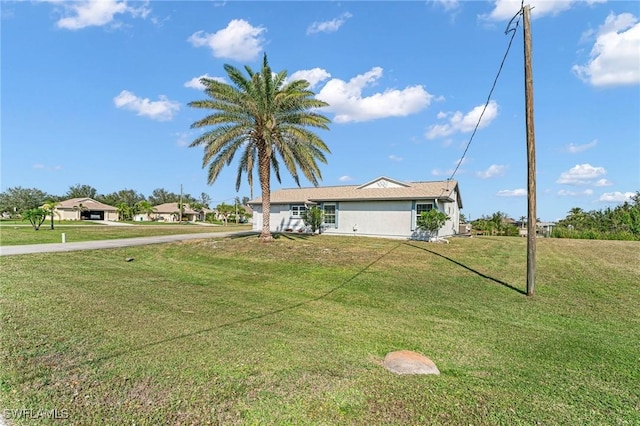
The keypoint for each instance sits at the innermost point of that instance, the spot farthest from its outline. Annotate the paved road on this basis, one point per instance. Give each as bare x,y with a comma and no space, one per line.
102,244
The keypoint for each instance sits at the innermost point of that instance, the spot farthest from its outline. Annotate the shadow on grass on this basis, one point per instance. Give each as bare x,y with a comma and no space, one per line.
276,235
98,360
292,236
495,280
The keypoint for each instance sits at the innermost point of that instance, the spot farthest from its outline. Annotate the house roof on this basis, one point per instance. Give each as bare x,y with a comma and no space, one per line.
87,203
388,190
173,208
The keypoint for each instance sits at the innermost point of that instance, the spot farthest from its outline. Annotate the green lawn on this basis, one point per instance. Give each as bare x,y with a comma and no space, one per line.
230,331
12,234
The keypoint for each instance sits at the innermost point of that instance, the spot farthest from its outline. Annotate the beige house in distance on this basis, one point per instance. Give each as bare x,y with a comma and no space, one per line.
85,209
169,212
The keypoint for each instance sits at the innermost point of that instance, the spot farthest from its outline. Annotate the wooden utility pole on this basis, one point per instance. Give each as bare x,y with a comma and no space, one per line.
180,205
531,157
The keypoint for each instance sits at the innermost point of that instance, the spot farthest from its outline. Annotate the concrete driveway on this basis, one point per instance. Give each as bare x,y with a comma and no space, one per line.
122,242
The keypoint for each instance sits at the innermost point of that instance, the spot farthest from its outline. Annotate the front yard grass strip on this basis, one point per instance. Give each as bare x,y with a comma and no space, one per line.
229,331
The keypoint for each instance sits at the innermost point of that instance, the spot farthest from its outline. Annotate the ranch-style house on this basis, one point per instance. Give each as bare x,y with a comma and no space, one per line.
383,207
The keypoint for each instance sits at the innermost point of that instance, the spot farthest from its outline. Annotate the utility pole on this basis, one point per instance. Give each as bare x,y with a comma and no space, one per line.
531,157
180,205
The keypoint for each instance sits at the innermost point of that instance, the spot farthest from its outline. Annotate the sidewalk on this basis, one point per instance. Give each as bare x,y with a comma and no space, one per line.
122,242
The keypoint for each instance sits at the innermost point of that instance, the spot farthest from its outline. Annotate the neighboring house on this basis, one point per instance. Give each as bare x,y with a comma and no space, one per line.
543,229
85,209
170,212
383,207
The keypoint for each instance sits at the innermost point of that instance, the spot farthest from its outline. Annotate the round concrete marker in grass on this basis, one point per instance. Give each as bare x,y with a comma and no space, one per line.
409,362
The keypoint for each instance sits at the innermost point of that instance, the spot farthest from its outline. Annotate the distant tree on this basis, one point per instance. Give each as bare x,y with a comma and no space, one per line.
162,196
204,200
523,220
432,221
620,223
198,207
313,217
499,220
35,216
127,196
145,207
225,210
50,209
266,118
81,191
124,211
16,200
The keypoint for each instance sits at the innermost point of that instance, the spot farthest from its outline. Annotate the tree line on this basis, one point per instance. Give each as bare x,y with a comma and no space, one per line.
619,223
17,201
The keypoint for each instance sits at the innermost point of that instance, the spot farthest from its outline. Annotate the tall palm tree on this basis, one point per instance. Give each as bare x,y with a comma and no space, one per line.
266,118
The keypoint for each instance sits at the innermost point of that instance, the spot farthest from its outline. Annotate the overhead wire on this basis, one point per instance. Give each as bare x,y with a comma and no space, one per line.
510,29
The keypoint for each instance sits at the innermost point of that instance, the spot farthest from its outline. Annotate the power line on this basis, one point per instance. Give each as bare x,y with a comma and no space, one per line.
509,29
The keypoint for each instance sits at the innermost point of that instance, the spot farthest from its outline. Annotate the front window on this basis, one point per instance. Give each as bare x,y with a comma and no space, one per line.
422,207
297,210
330,214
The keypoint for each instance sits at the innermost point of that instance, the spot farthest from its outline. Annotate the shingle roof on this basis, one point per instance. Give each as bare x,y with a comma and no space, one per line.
441,190
87,203
172,208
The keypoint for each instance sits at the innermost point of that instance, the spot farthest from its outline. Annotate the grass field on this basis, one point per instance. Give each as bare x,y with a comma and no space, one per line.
229,331
14,234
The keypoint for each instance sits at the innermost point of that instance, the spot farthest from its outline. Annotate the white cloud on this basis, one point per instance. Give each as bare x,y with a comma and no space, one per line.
328,26
345,178
616,197
615,55
464,123
493,171
397,158
184,138
465,160
82,14
573,148
239,41
161,110
603,182
313,76
41,166
567,193
195,83
345,99
520,192
438,172
581,174
448,5
506,9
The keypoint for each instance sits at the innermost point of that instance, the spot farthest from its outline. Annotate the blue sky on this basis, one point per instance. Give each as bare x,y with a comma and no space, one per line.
96,93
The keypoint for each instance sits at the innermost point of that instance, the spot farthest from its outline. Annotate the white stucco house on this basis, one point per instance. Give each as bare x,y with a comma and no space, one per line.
383,207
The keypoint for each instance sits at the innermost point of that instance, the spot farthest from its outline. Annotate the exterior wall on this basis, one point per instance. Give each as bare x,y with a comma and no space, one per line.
390,219
111,216
174,217
373,218
67,214
279,220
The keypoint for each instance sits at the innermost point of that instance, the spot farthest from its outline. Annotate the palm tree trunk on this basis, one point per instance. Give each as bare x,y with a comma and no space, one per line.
265,185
